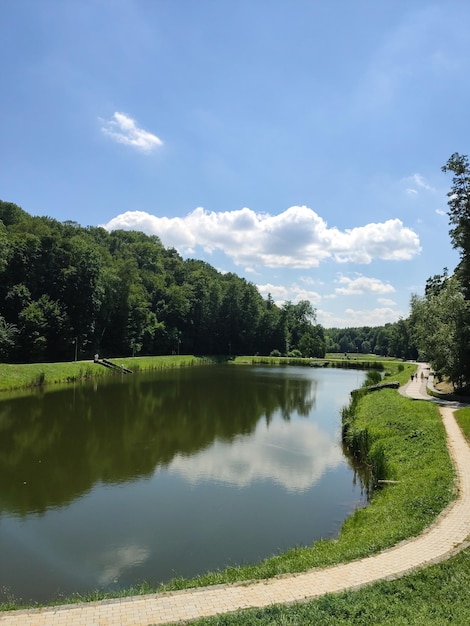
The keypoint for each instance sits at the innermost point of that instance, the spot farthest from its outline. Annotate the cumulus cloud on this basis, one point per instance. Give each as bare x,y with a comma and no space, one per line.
278,292
362,284
123,129
296,238
293,293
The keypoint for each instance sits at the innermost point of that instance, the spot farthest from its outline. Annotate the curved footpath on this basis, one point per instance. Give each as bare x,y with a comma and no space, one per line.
448,535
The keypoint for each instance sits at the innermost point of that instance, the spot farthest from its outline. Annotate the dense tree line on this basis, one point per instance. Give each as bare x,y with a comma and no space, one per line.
440,320
67,289
393,339
438,328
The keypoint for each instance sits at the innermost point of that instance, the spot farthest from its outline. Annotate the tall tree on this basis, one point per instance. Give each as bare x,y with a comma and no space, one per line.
8,333
439,326
459,215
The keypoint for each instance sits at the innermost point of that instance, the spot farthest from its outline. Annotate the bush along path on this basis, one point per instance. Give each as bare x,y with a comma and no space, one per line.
445,537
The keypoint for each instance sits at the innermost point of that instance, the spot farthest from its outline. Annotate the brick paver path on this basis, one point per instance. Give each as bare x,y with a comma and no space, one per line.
445,537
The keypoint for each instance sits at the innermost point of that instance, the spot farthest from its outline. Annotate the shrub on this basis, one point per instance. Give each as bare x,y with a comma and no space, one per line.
373,377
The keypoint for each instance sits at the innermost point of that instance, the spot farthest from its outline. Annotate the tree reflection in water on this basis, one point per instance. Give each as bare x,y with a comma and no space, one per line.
55,445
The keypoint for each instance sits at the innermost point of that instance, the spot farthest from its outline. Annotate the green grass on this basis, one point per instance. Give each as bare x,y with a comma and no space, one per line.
412,436
463,419
413,440
360,356
25,376
388,365
434,596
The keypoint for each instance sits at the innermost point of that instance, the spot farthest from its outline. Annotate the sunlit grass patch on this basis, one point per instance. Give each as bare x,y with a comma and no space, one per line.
412,438
23,376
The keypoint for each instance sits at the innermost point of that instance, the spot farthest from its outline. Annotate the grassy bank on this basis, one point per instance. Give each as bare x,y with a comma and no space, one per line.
463,418
354,362
434,596
24,376
412,438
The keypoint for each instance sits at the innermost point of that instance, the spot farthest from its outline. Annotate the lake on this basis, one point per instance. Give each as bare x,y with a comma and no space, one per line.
155,475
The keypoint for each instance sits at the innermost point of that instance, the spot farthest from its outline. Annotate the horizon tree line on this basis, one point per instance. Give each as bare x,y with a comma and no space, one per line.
71,290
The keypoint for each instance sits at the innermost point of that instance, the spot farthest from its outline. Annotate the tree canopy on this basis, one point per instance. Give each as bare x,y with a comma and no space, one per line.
65,287
440,320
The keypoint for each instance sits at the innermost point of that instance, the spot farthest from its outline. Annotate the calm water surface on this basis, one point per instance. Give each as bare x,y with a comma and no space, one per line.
152,476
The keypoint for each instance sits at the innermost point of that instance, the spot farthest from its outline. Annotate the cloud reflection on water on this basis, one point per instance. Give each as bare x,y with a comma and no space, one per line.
294,455
113,562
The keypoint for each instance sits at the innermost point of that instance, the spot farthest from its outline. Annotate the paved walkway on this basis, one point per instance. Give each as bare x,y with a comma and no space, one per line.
449,534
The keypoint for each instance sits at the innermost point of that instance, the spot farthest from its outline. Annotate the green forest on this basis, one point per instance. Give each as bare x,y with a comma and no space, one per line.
68,291
65,288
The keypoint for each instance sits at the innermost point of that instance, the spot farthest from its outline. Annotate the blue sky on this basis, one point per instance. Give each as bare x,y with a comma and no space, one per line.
298,143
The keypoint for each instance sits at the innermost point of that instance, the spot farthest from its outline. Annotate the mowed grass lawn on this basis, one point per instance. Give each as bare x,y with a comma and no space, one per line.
434,596
412,436
23,376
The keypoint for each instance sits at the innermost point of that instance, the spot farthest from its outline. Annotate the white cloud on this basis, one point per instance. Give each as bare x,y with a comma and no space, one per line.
123,129
420,181
293,293
389,241
386,302
357,318
417,180
278,292
296,238
362,284
441,212
308,280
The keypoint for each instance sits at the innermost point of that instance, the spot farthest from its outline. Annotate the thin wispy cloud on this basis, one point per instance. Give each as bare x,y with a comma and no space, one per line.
418,183
297,238
123,129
